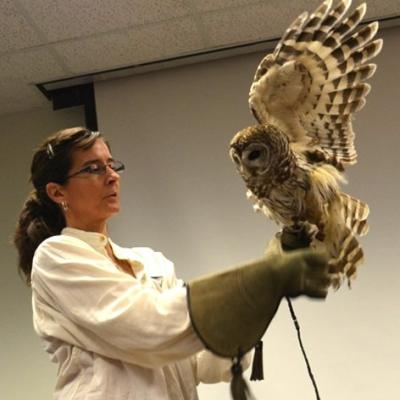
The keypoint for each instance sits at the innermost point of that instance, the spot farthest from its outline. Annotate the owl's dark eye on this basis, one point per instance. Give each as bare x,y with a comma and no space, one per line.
254,155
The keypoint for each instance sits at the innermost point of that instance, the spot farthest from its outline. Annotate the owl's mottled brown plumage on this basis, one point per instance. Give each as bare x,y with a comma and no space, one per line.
303,96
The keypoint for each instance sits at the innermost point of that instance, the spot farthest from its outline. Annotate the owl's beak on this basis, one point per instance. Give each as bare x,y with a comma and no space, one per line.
237,159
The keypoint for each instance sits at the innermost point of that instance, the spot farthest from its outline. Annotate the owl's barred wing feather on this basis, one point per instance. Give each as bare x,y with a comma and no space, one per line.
314,81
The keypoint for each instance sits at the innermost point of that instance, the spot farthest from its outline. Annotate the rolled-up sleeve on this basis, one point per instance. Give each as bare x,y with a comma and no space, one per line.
210,368
79,298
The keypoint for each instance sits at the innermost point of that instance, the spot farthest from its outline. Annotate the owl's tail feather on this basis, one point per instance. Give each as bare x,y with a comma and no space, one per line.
348,219
349,257
355,214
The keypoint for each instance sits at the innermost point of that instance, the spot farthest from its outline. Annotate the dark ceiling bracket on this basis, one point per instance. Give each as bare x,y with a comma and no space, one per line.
79,95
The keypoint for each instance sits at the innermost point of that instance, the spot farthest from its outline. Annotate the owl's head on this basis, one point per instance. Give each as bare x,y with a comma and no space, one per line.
258,150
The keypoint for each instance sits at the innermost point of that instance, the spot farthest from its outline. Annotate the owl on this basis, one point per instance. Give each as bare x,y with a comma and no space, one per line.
303,96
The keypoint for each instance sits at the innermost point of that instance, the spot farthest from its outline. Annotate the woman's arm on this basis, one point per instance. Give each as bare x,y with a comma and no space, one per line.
80,299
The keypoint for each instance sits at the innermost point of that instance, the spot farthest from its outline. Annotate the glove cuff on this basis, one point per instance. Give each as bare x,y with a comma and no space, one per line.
230,311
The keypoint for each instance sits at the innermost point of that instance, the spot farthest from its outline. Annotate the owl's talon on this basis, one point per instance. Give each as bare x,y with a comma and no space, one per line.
295,237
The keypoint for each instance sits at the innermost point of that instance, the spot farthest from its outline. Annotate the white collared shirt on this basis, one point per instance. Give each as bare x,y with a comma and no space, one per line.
115,335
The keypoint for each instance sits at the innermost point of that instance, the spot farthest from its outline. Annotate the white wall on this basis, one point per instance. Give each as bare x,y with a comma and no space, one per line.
182,196
25,369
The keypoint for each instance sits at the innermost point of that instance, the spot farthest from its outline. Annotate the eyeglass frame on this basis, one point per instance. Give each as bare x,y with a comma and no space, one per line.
102,169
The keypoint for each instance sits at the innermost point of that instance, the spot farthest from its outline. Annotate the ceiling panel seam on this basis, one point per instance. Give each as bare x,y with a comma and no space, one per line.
42,36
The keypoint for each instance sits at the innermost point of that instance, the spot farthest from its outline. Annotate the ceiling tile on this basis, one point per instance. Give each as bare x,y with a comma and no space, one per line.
130,47
60,19
243,25
17,96
15,30
30,66
266,20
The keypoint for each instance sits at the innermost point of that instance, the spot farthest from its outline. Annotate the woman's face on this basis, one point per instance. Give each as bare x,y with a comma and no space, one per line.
91,199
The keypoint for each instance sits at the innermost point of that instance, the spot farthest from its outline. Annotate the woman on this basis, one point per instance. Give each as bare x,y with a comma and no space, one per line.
116,332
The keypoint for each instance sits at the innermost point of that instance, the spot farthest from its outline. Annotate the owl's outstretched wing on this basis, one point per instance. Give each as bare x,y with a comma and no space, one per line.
314,80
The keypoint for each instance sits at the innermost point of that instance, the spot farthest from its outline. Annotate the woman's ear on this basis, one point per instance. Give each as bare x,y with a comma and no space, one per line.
55,192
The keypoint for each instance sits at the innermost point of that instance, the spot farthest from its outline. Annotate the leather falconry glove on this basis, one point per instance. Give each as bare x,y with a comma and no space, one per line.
231,310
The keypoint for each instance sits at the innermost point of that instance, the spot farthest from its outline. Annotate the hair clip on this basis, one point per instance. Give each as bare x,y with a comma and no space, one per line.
50,151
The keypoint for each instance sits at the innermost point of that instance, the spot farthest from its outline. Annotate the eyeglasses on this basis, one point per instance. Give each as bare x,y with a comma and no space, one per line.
100,169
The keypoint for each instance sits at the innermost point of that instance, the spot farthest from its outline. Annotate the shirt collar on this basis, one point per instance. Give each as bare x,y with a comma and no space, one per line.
97,240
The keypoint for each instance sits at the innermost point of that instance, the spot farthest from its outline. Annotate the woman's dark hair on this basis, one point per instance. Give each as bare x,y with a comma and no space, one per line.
40,217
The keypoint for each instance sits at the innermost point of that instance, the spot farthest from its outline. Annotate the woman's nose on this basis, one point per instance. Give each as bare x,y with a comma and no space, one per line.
111,174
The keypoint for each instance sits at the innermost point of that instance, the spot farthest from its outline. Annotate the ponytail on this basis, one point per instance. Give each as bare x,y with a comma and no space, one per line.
38,220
